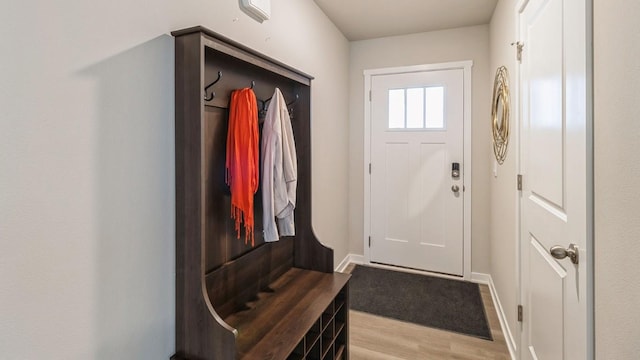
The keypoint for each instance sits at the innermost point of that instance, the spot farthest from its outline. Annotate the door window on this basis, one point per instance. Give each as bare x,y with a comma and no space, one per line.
414,108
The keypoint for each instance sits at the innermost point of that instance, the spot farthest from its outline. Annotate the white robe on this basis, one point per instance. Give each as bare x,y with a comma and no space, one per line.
279,170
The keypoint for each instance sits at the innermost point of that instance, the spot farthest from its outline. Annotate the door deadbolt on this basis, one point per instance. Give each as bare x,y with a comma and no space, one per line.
560,253
455,170
455,188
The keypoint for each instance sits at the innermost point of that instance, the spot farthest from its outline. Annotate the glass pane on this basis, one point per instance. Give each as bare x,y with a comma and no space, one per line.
415,108
396,109
434,104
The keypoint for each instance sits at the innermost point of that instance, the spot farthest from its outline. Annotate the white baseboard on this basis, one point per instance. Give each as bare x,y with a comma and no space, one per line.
350,259
486,279
481,278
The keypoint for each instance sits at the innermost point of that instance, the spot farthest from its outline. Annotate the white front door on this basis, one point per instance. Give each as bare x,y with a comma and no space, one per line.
554,157
416,138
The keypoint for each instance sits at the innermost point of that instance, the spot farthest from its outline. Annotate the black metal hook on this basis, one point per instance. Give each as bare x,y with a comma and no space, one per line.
290,106
294,101
253,84
263,105
213,93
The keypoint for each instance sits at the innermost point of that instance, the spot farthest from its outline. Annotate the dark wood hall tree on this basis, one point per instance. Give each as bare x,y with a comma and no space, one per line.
279,300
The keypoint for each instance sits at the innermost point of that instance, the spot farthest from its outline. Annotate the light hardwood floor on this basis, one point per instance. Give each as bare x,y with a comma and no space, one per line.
373,337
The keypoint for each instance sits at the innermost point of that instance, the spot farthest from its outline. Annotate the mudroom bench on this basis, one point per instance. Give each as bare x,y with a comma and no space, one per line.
236,299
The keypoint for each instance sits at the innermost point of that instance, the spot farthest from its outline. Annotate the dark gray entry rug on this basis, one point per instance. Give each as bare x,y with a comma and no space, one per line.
424,300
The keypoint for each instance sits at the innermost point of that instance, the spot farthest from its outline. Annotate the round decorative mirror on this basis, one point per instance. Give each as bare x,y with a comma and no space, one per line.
500,114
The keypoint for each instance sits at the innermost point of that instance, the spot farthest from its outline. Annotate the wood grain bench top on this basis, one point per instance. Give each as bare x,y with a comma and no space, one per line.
277,321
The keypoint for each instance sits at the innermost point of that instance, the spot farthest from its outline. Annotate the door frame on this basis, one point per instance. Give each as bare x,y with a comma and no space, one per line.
590,194
461,65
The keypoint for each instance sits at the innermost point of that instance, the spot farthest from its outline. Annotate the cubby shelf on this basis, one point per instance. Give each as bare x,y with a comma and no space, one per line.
332,342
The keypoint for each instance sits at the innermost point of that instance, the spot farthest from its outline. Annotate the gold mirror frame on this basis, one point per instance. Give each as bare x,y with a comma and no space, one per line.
500,106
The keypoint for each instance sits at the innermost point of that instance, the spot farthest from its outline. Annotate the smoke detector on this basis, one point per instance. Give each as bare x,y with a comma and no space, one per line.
257,9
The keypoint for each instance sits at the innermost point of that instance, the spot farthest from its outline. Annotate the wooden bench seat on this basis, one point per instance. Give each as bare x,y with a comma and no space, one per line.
278,321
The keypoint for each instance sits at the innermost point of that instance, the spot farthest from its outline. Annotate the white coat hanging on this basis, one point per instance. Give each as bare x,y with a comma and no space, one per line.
279,170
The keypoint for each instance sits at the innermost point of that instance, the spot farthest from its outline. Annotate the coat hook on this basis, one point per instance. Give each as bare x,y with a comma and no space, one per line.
264,104
294,101
213,93
290,106
253,84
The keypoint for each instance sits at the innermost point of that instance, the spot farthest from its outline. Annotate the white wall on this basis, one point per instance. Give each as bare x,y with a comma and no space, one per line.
470,43
503,200
87,163
617,176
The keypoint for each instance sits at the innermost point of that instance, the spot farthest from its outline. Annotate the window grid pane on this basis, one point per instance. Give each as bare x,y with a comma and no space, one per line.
415,108
396,109
434,103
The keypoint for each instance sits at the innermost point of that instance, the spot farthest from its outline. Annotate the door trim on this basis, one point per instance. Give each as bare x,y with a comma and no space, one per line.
516,341
466,67
591,332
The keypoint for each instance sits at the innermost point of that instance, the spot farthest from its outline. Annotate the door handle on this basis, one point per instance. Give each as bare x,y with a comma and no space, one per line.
560,253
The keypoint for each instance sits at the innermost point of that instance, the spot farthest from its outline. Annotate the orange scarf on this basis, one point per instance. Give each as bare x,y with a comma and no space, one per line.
242,165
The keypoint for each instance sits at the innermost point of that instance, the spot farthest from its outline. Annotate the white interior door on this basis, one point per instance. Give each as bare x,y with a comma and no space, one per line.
416,203
555,180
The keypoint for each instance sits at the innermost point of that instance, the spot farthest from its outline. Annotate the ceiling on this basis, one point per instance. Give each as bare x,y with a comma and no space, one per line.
369,19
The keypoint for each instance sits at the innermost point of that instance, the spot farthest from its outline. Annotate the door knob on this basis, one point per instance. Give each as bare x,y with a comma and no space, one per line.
455,188
560,253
